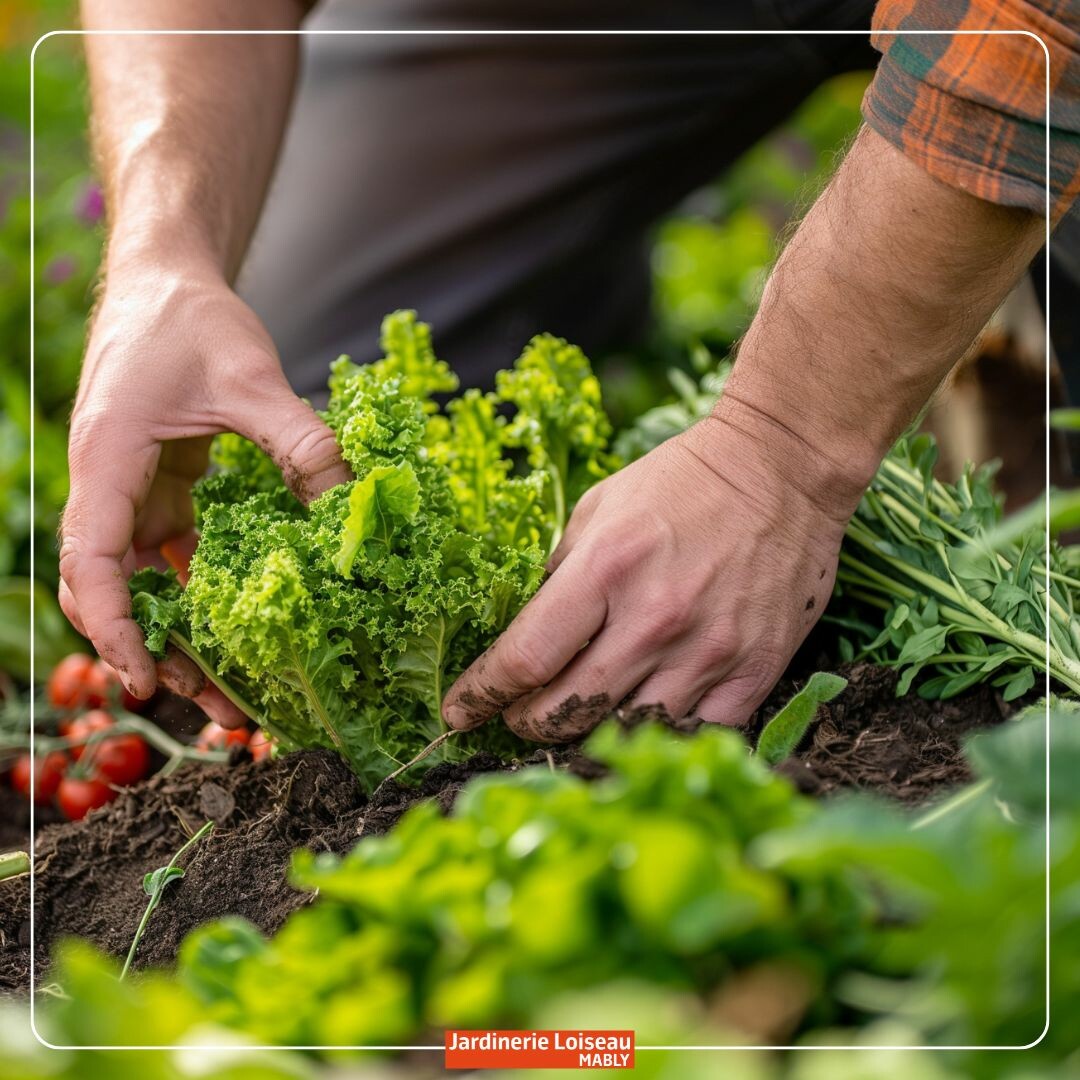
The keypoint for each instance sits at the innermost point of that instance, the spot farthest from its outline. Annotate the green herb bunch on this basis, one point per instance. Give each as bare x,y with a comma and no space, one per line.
343,623
963,602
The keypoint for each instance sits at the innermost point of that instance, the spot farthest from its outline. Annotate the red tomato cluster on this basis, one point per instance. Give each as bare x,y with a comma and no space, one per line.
87,774
49,771
80,681
120,759
93,766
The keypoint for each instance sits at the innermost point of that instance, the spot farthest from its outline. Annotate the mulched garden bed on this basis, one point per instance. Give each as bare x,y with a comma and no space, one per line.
89,873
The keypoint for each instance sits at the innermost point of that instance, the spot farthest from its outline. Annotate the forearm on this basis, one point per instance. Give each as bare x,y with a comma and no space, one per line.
880,291
186,128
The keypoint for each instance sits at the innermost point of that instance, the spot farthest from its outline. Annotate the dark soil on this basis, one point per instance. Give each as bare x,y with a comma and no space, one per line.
906,748
15,819
89,874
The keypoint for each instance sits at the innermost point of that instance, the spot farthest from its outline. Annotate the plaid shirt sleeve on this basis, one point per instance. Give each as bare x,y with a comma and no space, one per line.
971,108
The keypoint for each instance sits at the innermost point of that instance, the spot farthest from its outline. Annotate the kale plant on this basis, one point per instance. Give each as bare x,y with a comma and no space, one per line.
342,624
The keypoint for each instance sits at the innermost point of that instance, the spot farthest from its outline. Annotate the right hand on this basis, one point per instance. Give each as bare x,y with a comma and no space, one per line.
173,358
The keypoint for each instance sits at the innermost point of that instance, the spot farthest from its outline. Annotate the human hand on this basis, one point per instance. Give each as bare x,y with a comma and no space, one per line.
173,357
686,581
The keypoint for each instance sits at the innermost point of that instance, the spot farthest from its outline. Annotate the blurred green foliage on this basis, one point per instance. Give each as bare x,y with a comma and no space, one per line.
665,897
644,875
67,236
712,257
67,241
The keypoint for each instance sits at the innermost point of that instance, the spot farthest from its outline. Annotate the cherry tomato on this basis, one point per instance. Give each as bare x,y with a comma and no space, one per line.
48,772
82,727
99,684
80,681
260,745
77,797
73,683
215,737
121,759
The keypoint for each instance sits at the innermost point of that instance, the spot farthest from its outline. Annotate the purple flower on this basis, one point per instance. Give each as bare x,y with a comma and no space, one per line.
90,205
60,269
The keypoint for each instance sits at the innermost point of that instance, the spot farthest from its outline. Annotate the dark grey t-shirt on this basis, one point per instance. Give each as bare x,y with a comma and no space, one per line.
503,185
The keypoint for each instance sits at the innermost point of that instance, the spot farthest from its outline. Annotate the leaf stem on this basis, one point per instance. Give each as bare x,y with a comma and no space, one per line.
317,707
961,798
559,495
189,650
429,749
129,722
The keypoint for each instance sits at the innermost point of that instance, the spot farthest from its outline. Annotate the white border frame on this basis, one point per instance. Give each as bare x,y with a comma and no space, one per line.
300,32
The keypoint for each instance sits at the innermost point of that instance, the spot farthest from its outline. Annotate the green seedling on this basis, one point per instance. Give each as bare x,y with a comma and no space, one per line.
154,884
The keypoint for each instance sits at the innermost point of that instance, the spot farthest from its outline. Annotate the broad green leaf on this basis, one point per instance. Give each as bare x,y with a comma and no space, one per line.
1018,684
943,687
1007,596
931,530
970,643
386,497
421,663
907,677
211,956
921,646
154,882
1014,757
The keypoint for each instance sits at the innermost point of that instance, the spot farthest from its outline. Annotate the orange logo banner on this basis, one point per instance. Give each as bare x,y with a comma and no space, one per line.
539,1050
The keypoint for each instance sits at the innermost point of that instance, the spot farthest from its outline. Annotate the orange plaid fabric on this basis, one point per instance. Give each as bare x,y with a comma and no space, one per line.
970,108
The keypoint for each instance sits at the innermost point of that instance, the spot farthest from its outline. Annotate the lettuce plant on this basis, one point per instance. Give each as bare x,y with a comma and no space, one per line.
342,624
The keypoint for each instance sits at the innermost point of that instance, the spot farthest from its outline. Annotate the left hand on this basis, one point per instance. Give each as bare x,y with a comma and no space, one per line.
685,581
